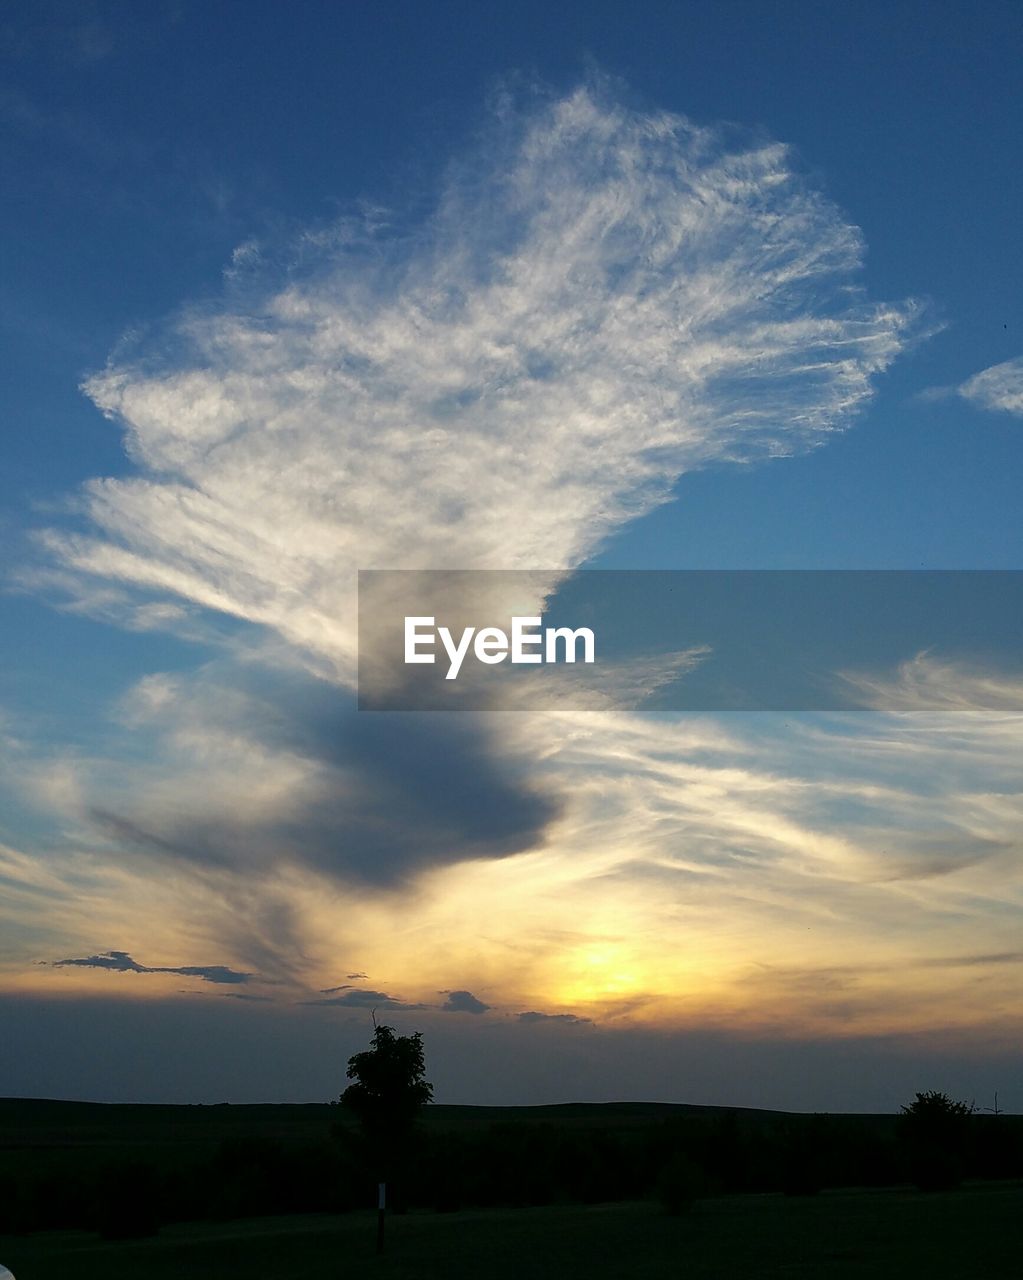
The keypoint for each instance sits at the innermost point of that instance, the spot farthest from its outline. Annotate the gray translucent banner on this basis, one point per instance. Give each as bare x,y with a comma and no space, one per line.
711,640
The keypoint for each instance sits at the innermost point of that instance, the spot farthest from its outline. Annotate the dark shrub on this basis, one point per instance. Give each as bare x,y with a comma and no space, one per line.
935,1132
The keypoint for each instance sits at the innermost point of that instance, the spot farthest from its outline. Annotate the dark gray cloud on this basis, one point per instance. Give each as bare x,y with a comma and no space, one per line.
356,998
969,961
209,973
568,1019
462,1002
121,962
421,790
388,795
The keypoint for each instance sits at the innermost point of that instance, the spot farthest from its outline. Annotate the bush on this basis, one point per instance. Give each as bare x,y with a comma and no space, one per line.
935,1131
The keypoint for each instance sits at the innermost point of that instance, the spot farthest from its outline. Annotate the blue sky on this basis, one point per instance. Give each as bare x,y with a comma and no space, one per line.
756,306
144,149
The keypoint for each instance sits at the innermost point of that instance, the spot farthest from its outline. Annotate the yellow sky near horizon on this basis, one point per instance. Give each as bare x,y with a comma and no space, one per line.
849,878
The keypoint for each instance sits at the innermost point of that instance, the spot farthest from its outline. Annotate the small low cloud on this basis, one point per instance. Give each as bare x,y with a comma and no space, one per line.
983,961
118,961
356,998
462,1002
122,962
208,973
569,1019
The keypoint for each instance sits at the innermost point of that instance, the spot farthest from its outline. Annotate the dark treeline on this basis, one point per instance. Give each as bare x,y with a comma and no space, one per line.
572,1155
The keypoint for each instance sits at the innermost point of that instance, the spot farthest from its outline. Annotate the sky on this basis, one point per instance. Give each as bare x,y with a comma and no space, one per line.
311,289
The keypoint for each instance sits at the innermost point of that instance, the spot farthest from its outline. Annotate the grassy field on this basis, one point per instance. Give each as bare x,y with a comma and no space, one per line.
971,1234
42,1121
40,1137
76,1133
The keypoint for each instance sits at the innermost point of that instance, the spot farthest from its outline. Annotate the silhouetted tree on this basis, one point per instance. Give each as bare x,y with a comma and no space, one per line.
934,1127
937,1108
389,1088
389,1091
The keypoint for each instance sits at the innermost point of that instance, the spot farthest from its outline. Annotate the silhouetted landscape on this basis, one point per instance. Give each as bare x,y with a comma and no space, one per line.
143,1190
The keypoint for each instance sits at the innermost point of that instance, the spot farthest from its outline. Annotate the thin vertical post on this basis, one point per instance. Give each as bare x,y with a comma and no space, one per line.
381,1209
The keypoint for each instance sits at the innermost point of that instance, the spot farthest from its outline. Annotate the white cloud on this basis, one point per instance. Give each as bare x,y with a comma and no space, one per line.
601,301
928,684
1000,387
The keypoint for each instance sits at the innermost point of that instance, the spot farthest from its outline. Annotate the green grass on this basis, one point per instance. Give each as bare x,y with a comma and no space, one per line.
49,1136
970,1234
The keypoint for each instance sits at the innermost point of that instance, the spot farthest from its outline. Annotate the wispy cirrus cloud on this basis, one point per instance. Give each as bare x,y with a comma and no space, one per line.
999,388
601,300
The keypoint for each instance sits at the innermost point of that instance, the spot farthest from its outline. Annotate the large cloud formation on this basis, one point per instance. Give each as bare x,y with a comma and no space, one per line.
601,300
